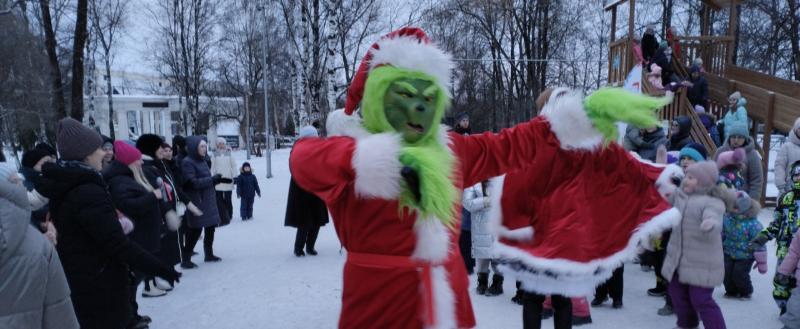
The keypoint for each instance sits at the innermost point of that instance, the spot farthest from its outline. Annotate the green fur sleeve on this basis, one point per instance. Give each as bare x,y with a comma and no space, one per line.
607,106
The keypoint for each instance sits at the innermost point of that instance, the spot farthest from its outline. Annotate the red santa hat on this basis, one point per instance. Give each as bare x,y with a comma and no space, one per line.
407,48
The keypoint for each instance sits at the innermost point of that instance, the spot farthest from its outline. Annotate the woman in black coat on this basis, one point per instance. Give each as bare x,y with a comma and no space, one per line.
94,251
305,211
199,187
160,176
134,197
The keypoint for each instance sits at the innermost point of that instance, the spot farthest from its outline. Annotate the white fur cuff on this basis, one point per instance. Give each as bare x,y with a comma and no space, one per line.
377,165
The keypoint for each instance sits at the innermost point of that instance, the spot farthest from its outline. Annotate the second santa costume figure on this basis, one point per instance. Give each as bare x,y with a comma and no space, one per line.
392,179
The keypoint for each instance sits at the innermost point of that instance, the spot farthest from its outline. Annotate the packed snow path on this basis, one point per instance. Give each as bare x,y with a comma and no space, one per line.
261,284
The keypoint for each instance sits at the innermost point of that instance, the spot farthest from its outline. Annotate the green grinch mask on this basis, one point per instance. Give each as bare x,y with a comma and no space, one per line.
412,104
409,106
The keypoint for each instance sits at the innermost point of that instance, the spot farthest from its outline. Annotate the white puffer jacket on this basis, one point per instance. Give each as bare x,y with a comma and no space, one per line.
787,155
478,205
223,163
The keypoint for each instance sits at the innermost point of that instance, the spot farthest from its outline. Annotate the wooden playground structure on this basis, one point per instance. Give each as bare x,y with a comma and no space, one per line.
772,103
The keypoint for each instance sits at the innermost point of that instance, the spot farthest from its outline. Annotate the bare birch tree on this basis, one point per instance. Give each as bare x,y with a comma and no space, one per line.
108,19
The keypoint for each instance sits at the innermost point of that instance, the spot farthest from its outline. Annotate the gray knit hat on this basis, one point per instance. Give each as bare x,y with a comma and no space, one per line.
76,141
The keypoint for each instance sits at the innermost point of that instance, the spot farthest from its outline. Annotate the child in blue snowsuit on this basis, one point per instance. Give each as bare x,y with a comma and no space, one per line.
247,189
740,226
782,228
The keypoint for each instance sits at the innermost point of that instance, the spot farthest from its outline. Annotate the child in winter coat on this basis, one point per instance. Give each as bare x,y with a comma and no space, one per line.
782,228
692,153
731,166
476,201
786,275
694,262
740,226
247,189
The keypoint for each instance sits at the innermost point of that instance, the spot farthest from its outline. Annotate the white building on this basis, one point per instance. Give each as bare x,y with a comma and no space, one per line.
135,115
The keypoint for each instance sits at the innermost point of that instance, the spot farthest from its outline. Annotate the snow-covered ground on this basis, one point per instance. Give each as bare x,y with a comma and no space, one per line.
261,284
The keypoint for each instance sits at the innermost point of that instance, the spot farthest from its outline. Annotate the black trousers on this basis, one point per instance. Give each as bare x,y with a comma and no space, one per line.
532,306
612,287
465,246
136,279
737,276
660,255
305,237
193,235
226,198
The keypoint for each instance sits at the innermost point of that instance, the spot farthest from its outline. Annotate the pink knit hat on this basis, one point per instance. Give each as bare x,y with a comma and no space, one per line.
727,158
126,153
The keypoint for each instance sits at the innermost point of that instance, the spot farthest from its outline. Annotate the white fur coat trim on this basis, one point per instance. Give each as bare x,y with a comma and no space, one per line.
443,300
433,240
664,183
376,162
409,53
569,122
578,278
433,246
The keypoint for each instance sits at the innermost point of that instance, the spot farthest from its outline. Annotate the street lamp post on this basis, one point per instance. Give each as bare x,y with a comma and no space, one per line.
265,47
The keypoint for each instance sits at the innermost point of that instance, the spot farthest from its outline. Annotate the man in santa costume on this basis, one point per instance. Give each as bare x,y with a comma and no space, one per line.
391,177
567,222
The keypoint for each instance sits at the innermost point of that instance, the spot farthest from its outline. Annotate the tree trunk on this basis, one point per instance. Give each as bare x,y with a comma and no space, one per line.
334,9
59,104
794,35
109,93
81,34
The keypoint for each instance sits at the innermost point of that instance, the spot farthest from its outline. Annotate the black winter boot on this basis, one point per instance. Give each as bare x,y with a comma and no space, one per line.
497,286
483,283
517,299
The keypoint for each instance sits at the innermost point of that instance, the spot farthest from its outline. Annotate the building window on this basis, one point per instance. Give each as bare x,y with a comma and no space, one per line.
133,125
155,104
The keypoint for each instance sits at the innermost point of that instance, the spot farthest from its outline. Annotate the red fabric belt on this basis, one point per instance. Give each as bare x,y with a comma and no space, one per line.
390,261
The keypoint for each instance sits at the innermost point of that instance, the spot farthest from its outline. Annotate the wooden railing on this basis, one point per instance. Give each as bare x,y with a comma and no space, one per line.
712,50
620,61
681,106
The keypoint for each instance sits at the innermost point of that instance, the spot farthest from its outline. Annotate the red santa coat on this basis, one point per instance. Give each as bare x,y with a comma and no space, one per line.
579,210
358,177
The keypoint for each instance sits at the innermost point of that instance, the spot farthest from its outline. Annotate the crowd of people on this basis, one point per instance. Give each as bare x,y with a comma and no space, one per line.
84,224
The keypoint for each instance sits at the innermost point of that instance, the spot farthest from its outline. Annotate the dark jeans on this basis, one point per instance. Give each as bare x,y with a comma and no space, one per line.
465,245
246,207
690,300
532,306
737,276
192,235
612,287
307,237
225,198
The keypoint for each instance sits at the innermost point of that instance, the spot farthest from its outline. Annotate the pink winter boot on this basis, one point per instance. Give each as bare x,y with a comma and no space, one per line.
761,261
